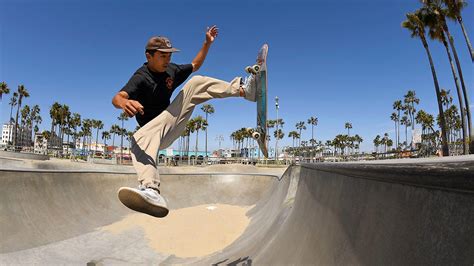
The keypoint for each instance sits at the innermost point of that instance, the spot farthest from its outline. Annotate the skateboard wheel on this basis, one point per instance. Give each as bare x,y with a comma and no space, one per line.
255,135
249,129
248,69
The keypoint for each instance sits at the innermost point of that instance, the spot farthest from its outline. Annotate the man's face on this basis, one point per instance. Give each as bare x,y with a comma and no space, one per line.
159,61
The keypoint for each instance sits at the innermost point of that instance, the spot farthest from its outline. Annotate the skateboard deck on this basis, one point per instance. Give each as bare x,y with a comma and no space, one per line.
260,72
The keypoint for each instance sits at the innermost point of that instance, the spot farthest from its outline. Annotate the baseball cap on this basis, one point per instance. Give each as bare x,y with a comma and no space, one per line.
161,44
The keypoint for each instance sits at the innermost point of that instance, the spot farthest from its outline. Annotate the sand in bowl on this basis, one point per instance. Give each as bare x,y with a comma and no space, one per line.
189,232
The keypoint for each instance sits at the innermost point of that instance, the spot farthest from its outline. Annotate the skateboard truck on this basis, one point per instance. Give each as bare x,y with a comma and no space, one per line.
252,69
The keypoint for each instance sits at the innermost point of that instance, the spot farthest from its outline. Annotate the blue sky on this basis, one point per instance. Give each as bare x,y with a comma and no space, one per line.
341,61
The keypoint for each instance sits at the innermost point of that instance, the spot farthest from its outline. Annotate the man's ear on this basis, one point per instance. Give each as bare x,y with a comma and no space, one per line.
148,56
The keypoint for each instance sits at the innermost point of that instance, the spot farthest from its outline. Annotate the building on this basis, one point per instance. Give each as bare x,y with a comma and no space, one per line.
23,137
41,144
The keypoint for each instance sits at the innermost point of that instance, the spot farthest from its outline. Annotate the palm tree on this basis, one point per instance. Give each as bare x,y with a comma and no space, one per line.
13,103
123,117
454,12
189,129
22,92
348,125
86,132
434,16
74,123
199,123
435,7
114,129
416,26
4,89
105,137
35,117
377,143
398,106
410,100
278,134
313,121
64,117
24,124
207,109
98,125
54,114
294,135
405,121
394,117
300,126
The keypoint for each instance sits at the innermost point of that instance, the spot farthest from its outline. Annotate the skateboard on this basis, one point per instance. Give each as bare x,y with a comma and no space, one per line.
136,201
260,72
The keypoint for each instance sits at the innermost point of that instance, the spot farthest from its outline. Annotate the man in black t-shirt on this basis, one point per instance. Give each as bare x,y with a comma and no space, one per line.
147,96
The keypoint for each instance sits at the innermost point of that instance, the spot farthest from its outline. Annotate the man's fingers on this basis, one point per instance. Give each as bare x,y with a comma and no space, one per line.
138,107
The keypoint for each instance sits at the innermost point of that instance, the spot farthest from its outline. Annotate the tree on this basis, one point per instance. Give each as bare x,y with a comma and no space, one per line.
454,12
433,16
300,126
23,93
348,126
395,118
98,125
294,135
313,121
207,109
114,130
406,122
410,100
123,117
4,89
199,123
416,26
74,123
398,106
376,143
35,117
105,137
13,102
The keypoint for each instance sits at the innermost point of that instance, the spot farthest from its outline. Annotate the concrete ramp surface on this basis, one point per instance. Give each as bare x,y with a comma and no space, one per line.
415,213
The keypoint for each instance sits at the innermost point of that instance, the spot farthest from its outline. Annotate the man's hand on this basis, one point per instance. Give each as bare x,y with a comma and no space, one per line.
211,34
130,107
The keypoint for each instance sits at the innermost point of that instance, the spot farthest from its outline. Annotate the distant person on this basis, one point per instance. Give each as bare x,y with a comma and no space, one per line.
147,97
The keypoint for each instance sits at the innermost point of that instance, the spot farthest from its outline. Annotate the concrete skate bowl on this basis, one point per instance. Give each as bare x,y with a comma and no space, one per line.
326,214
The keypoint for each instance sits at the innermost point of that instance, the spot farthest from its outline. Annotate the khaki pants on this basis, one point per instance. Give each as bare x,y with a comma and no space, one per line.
164,129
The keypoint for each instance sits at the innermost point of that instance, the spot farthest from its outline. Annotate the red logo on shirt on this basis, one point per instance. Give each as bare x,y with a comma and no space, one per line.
169,83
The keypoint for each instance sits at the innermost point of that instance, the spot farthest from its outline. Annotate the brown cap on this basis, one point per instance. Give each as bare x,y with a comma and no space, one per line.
161,44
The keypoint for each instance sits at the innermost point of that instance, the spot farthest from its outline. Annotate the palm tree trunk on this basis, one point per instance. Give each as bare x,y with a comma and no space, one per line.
464,90
196,149
444,139
15,128
206,140
461,103
468,42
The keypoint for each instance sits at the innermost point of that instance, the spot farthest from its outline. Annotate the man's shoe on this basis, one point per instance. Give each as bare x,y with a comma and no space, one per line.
145,200
250,88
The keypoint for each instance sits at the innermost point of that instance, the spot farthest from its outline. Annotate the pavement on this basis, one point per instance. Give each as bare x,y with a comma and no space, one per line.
385,213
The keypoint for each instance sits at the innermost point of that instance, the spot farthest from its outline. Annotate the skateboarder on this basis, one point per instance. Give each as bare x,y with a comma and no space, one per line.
147,97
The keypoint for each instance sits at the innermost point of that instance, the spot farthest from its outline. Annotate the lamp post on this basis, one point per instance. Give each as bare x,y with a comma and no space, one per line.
277,106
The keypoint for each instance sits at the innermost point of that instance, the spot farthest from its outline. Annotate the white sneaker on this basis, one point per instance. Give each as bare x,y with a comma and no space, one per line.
250,88
145,200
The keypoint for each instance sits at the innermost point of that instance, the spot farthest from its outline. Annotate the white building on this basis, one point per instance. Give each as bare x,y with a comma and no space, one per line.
41,144
23,137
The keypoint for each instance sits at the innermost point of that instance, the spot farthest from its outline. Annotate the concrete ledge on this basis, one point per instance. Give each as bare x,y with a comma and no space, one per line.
20,155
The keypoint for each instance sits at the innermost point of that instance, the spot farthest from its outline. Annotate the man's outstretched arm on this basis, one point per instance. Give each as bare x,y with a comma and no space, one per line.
211,35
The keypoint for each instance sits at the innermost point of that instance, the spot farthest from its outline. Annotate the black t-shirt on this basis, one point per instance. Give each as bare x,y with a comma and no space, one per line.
153,90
